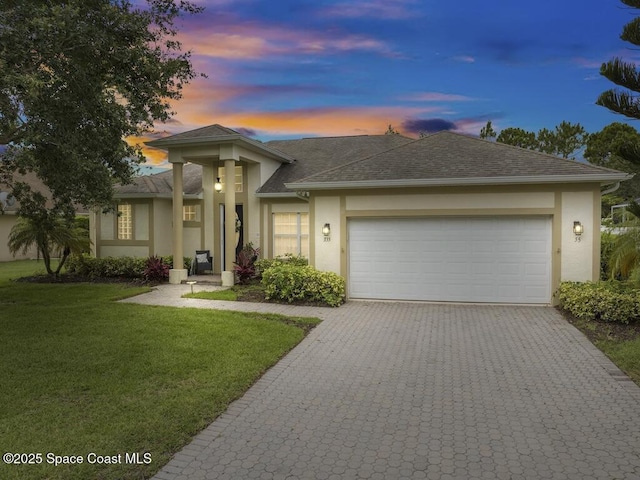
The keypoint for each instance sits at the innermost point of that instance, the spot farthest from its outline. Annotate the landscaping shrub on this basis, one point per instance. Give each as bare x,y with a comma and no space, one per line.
114,267
245,264
287,259
607,240
156,270
291,283
604,301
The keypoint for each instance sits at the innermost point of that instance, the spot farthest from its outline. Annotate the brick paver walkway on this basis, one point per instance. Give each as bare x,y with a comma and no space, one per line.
409,390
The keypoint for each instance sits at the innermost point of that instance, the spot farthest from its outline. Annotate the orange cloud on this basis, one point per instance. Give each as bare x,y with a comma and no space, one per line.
154,156
256,41
326,121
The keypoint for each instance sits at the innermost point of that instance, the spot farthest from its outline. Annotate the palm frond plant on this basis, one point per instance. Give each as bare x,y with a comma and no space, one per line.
624,260
53,236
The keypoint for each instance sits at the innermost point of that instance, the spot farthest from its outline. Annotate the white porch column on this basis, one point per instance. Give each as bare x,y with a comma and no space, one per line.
208,181
176,275
228,277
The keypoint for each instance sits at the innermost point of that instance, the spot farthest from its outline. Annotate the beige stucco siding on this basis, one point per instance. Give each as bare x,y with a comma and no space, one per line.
577,258
326,250
451,201
107,226
162,226
141,218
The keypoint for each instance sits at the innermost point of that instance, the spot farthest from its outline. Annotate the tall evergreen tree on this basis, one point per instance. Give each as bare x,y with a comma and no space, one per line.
625,101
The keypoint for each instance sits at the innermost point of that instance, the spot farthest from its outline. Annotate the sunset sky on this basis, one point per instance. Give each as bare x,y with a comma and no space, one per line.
299,68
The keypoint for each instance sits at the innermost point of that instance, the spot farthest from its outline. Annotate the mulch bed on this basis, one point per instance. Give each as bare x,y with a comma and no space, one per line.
601,331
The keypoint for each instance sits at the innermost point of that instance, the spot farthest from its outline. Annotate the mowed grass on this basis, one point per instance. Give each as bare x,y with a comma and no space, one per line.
82,374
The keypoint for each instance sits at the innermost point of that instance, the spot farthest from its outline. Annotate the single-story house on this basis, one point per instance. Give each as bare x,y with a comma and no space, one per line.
447,217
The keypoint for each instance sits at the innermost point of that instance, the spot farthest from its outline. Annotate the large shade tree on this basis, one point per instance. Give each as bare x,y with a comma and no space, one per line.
77,77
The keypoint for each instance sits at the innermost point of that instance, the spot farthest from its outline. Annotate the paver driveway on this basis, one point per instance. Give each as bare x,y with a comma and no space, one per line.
402,390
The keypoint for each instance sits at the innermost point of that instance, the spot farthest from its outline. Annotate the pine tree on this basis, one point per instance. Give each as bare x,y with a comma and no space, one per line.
625,101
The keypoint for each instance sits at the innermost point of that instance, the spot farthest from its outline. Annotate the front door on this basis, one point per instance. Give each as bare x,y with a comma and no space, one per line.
239,232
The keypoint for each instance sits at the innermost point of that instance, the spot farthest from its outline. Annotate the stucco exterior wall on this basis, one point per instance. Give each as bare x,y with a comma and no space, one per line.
325,251
451,201
162,226
577,259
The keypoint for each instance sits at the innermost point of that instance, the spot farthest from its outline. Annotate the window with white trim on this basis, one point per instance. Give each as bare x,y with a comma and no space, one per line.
238,179
291,234
125,221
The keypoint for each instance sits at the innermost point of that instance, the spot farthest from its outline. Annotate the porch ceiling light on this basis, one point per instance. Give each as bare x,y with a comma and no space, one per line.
326,230
578,228
218,185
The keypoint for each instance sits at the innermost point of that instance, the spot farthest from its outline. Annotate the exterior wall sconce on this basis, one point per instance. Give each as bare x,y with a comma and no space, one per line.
326,231
218,185
578,230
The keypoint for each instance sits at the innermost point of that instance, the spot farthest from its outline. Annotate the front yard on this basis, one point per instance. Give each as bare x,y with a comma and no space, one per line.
119,386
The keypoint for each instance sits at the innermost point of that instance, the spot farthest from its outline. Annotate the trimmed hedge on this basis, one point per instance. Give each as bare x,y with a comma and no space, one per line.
287,259
115,267
291,283
610,301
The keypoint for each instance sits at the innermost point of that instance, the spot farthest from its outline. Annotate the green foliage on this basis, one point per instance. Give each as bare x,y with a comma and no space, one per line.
603,301
291,283
156,270
121,267
77,78
607,240
487,132
52,235
624,74
287,259
245,264
563,141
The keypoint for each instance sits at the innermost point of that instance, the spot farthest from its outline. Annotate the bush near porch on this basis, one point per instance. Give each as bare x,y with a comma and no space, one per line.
118,267
295,283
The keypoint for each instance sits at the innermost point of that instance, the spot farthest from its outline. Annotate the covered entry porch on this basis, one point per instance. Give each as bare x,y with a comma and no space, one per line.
219,151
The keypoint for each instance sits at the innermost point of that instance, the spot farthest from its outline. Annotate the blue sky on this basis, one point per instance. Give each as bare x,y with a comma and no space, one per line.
298,68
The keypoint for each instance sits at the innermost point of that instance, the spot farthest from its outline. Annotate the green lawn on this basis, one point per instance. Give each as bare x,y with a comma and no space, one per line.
82,374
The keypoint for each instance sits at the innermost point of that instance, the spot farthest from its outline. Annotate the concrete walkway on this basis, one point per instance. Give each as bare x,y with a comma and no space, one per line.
437,391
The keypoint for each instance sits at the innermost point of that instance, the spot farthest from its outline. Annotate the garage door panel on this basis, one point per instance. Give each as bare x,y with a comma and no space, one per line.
483,259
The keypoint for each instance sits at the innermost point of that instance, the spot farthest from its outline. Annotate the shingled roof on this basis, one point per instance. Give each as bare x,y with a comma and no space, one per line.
447,158
315,155
161,184
374,161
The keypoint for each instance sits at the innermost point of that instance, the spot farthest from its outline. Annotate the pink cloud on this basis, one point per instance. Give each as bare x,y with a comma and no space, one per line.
464,58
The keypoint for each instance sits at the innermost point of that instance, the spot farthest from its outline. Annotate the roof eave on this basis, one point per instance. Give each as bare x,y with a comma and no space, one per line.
277,195
165,143
603,179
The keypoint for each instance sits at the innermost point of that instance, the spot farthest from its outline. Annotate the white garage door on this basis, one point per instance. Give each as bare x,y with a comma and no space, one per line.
480,259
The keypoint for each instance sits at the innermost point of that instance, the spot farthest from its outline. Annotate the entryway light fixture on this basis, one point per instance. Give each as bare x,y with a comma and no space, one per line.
326,230
218,185
578,229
